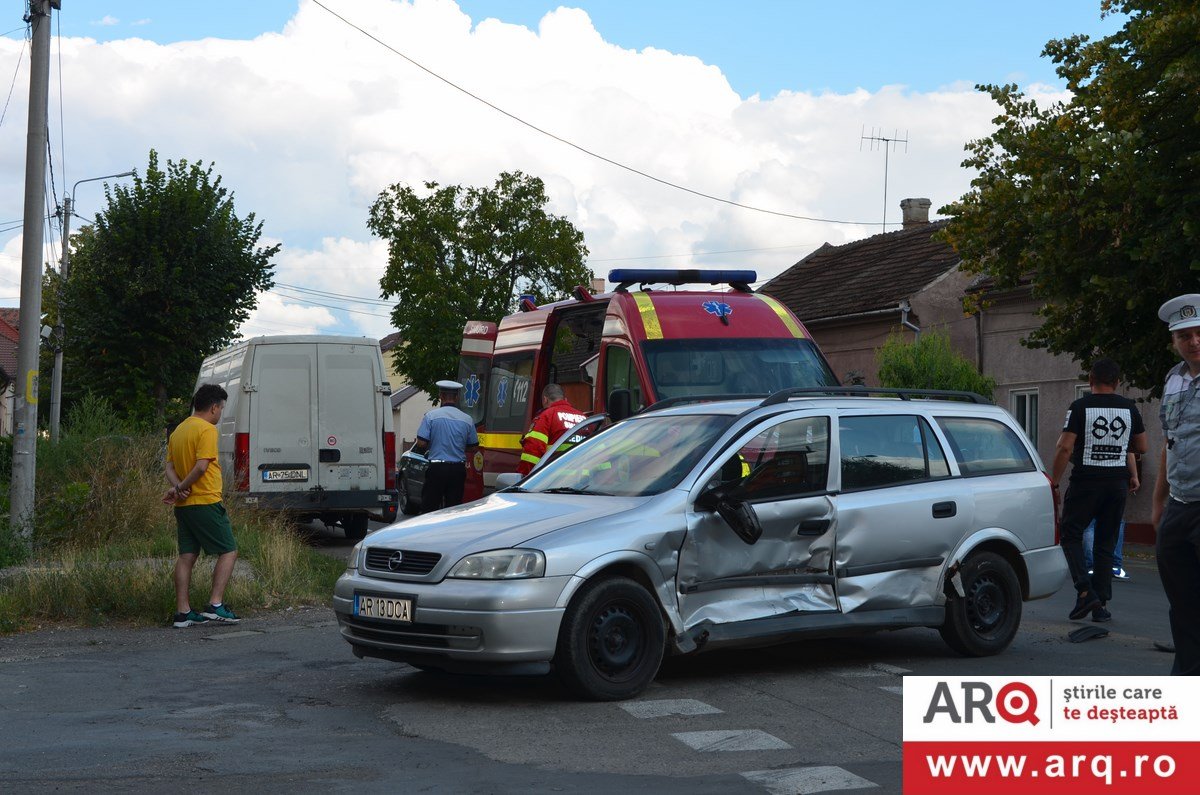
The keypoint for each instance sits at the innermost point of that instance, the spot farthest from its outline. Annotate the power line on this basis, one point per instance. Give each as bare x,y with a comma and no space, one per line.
576,146
327,306
17,71
325,294
700,253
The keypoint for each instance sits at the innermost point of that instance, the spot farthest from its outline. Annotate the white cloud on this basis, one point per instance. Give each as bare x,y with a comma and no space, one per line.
308,125
106,21
139,22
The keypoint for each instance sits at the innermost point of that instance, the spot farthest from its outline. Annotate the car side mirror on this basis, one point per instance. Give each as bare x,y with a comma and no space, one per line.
740,516
619,404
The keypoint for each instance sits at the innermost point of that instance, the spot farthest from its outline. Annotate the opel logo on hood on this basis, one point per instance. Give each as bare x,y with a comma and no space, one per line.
395,560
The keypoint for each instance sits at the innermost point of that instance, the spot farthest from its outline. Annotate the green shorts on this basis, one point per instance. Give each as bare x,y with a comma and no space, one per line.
204,527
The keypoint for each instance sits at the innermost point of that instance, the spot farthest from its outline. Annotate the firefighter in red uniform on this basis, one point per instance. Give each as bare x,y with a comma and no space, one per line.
556,416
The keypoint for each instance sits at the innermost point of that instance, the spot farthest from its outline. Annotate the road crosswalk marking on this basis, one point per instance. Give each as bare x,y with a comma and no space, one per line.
874,669
805,780
659,708
732,740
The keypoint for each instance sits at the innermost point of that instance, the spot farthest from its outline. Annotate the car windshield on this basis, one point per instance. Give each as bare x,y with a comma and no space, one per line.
636,458
733,366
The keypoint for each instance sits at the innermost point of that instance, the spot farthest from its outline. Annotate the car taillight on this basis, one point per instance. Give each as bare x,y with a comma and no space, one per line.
389,460
1056,500
241,461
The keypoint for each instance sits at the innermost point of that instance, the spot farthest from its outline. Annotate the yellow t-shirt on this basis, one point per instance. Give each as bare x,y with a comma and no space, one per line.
191,441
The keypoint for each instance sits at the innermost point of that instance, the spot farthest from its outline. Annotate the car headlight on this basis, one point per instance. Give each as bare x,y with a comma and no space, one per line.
352,561
500,564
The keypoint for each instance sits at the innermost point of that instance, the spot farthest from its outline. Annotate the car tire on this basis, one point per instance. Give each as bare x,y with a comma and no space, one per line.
354,525
986,619
611,641
406,505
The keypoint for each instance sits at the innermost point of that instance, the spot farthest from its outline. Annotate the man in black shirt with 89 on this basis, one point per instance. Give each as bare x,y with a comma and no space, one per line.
1102,435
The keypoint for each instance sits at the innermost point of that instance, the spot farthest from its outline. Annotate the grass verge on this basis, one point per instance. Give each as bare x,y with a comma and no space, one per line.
103,548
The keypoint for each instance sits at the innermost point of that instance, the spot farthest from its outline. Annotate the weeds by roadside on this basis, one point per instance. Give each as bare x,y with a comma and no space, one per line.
103,547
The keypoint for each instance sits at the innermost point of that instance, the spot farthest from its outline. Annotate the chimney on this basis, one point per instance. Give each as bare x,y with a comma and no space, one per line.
916,212
597,284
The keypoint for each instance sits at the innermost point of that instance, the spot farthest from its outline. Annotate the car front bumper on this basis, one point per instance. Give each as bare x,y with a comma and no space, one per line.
497,625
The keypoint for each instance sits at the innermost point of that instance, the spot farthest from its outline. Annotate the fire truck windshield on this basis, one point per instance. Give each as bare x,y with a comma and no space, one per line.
733,365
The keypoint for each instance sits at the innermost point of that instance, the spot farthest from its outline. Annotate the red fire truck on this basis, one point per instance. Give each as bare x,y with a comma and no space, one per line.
622,351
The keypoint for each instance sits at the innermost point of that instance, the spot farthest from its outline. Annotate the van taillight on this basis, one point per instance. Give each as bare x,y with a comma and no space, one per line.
1056,501
389,460
241,461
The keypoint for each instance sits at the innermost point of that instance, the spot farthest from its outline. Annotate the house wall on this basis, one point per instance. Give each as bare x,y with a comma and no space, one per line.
406,418
851,345
1008,319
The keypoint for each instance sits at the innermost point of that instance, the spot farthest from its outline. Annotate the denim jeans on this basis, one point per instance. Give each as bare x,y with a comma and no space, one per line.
1089,533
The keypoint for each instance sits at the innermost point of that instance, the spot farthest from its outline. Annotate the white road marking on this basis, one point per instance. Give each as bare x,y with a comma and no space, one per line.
897,690
803,780
241,633
874,669
731,740
668,706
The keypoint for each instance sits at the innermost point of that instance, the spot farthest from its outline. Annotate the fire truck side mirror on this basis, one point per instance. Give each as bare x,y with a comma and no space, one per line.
619,404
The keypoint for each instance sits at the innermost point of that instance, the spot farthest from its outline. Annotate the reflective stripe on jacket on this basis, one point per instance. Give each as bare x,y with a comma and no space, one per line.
551,423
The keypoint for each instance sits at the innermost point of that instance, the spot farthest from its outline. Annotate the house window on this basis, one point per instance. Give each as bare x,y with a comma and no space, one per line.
1082,390
1023,403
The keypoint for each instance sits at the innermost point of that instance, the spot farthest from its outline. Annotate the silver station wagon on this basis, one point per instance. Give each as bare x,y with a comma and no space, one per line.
812,512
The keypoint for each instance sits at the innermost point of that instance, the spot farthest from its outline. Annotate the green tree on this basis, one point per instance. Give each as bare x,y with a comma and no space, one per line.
1096,199
162,278
929,362
461,253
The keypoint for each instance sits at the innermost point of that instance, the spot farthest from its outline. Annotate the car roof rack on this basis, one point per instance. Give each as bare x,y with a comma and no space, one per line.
784,395
682,400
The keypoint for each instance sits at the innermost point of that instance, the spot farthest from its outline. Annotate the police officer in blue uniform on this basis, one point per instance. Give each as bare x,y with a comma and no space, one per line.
447,438
1176,507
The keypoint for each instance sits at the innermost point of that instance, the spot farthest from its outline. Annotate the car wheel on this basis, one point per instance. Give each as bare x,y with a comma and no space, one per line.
355,526
985,620
406,505
611,641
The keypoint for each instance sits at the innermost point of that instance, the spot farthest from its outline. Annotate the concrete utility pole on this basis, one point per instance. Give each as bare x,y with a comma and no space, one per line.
60,329
24,465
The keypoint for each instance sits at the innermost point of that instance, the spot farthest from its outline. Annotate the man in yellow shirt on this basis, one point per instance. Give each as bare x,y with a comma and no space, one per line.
200,518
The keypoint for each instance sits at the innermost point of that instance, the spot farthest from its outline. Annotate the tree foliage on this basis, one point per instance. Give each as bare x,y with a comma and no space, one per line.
161,279
461,253
1096,200
929,362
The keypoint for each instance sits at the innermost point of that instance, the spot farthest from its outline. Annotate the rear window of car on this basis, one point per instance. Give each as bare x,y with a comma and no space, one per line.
884,450
985,447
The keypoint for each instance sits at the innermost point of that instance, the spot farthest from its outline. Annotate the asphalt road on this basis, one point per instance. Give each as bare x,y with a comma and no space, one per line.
278,703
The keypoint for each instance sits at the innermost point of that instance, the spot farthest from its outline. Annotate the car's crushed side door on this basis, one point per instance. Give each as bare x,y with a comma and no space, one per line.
780,474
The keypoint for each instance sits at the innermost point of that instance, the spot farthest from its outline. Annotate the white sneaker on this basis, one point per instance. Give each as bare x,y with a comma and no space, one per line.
1119,573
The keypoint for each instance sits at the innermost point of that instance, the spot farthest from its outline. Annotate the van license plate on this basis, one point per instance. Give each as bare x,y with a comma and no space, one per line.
382,607
284,474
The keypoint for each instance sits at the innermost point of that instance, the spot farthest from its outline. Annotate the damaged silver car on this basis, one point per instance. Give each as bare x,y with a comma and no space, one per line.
721,524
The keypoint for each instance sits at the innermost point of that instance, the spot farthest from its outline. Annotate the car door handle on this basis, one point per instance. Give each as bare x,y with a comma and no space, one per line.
944,510
813,527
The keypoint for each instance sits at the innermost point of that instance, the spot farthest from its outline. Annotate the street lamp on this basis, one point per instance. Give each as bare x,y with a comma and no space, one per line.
56,380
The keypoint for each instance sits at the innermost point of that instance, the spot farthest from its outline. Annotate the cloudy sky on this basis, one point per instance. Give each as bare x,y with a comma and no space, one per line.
762,103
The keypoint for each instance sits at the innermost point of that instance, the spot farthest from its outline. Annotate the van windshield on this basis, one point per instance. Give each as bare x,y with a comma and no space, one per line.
733,366
636,458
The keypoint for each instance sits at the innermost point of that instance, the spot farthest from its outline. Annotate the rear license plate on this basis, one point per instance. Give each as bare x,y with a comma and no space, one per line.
382,607
284,474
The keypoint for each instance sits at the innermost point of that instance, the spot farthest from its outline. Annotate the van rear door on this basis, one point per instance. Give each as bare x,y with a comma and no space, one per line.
283,417
349,418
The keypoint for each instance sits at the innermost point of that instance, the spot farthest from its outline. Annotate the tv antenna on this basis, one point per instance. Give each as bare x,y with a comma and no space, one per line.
880,141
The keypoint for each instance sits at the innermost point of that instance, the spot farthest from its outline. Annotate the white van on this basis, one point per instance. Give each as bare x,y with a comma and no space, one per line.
308,427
